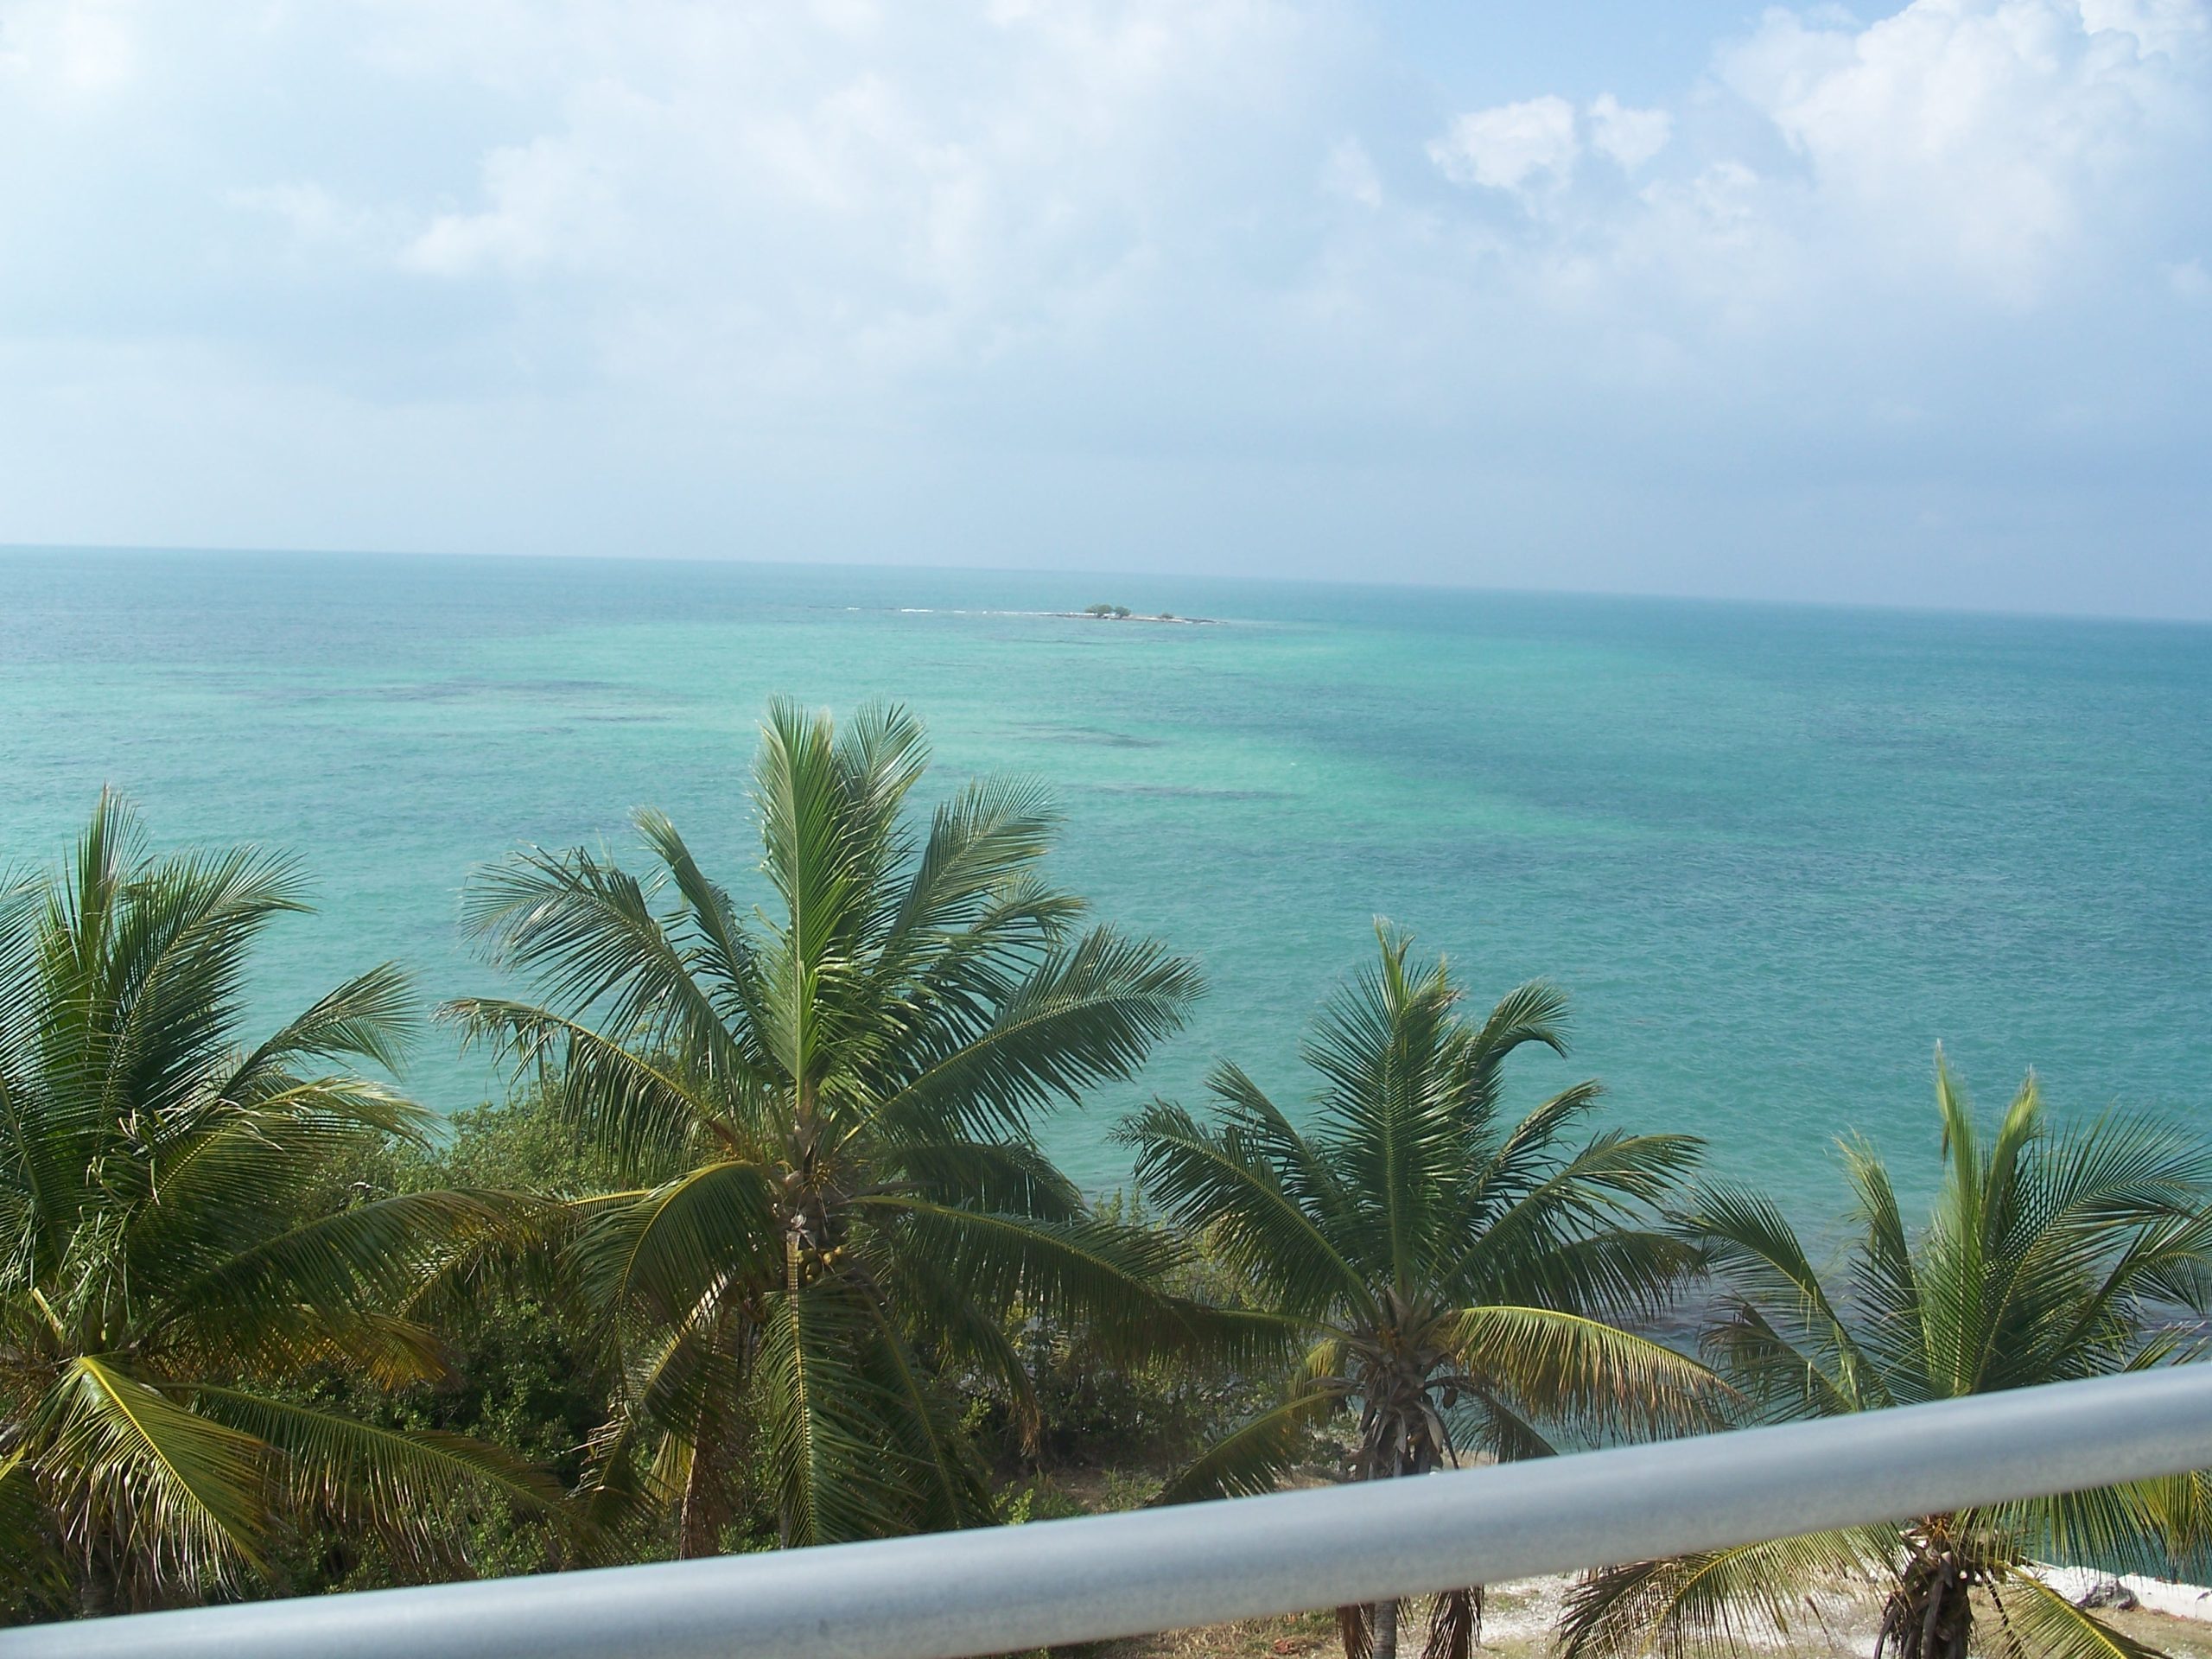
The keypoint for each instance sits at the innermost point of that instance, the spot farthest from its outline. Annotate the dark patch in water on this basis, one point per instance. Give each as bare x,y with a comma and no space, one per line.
1189,793
1098,737
460,690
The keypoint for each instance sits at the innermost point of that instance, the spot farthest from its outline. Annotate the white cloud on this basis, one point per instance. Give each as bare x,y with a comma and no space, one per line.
314,218
1348,174
856,190
721,254
70,47
1976,140
548,201
1974,153
1628,138
2178,29
1516,147
1506,148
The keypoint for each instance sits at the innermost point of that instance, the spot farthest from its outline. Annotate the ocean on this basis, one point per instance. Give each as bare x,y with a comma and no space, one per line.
1776,854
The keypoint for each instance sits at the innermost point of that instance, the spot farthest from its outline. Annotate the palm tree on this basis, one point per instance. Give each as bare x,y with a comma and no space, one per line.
161,1281
2048,1256
1454,1271
826,1111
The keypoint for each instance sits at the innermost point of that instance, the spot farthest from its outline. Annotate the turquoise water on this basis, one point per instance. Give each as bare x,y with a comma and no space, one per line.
1776,854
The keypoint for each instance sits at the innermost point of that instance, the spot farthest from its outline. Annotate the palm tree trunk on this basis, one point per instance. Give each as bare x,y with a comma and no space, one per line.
1394,1440
699,1522
719,1446
1931,1613
1385,1626
99,1588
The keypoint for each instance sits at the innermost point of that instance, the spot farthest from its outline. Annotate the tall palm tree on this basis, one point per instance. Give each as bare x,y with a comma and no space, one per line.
159,1281
1455,1271
2049,1255
826,1107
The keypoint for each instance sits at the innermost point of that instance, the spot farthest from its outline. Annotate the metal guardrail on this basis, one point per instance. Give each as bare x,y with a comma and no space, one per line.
990,1591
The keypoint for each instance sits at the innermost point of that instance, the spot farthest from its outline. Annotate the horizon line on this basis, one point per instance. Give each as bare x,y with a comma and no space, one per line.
1892,607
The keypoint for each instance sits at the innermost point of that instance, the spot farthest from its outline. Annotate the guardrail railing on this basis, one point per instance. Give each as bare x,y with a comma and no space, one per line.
953,1595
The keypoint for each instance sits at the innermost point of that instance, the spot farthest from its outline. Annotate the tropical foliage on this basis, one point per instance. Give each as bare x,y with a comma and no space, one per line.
527,1365
2050,1255
1455,1272
825,1113
164,1287
762,1248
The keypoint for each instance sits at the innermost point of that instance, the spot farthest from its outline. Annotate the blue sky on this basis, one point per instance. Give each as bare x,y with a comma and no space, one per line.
1894,305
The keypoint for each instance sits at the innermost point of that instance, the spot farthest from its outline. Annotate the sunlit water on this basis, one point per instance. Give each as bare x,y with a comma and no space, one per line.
1775,854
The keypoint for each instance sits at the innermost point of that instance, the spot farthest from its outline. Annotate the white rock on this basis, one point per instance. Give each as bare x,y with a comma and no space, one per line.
2087,1588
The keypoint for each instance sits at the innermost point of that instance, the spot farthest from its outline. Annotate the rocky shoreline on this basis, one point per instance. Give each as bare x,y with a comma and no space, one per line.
2087,1588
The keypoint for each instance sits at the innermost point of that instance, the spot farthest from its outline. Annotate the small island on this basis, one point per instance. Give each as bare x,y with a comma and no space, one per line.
1123,614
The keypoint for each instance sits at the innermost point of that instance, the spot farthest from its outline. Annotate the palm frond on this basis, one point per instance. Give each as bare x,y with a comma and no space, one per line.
644,1112
1013,1176
1533,1013
983,838
1730,1601
828,807
327,1276
1885,1279
1214,1180
374,1016
663,1250
830,1472
1503,1430
1527,1161
1583,1370
1396,1125
211,1181
2171,1515
1756,1256
1621,1274
1102,1277
1254,1458
2036,1621
727,955
1262,1133
32,1574
191,1499
945,1476
1087,1014
966,1334
1535,1245
363,1477
172,981
588,933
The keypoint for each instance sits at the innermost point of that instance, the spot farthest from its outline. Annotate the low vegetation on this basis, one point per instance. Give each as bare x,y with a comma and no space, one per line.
761,1248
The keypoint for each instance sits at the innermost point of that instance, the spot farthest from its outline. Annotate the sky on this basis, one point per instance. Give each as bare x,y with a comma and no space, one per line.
1906,307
